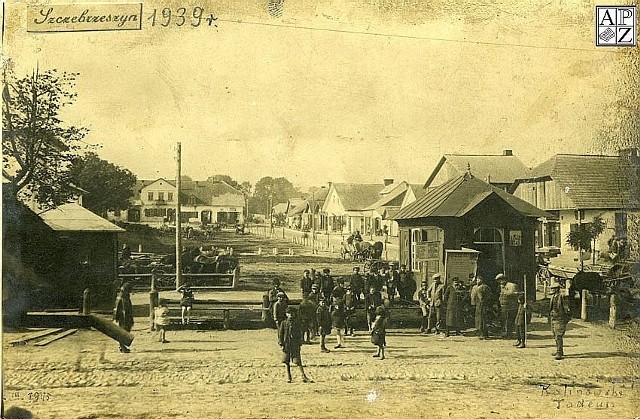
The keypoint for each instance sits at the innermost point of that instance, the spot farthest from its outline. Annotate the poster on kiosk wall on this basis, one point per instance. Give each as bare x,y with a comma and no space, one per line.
460,263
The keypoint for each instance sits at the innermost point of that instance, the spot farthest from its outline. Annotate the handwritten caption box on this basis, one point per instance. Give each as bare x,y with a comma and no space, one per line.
84,17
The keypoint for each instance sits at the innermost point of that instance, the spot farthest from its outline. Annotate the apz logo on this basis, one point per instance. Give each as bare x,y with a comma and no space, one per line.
616,26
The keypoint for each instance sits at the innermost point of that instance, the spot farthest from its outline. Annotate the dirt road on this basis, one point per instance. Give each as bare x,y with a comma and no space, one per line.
205,374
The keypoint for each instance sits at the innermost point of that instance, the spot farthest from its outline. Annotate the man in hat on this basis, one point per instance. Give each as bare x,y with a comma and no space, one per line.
436,303
483,296
508,304
306,282
559,316
406,283
290,340
356,282
423,299
326,284
323,320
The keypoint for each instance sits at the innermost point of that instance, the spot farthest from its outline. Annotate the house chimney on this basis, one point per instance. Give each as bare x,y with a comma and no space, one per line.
387,181
507,152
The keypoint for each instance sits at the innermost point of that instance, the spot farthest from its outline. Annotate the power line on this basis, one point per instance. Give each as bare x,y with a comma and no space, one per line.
388,35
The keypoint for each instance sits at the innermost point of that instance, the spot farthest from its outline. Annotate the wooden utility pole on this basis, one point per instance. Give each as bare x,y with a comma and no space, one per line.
178,218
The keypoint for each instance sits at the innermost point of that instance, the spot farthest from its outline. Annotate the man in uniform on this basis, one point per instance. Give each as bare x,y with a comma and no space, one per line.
559,316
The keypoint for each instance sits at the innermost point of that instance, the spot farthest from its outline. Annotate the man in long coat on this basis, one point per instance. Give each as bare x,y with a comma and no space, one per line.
559,315
483,297
123,312
453,302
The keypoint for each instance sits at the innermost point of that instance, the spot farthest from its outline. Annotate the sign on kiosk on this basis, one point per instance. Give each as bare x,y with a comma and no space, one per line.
460,263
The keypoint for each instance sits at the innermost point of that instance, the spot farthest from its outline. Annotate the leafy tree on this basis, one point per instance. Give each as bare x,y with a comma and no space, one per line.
37,148
109,187
269,191
622,129
584,238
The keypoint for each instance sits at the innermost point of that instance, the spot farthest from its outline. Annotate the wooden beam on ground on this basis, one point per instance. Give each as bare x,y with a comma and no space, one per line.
32,336
56,337
111,329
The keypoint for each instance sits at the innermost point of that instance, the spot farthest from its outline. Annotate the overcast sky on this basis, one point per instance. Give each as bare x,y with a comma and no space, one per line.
335,91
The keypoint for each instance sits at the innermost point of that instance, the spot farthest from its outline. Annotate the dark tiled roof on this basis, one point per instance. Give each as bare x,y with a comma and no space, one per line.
211,193
458,196
497,168
356,197
594,181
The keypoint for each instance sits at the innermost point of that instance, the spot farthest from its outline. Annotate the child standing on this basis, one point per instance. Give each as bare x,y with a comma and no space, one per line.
323,317
162,320
186,303
521,320
338,318
379,332
290,340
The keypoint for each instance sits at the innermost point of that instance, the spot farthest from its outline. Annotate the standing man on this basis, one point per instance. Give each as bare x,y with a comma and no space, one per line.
280,309
407,284
483,297
508,304
306,282
453,301
436,302
559,316
392,284
356,282
290,340
326,284
423,299
123,312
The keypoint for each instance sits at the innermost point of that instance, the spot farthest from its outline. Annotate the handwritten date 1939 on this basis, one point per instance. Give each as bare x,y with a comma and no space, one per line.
182,16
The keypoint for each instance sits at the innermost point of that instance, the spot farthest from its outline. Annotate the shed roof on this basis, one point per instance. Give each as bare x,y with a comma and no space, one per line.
388,198
73,217
498,168
356,196
592,181
458,196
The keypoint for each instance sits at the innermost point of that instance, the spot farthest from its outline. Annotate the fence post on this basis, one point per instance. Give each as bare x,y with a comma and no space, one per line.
583,312
140,248
259,251
275,251
86,301
153,301
613,310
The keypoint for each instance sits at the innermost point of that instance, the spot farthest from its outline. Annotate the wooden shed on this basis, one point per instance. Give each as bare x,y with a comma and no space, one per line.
53,256
467,212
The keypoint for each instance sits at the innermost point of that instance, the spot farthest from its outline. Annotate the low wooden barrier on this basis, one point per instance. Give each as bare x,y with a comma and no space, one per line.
167,281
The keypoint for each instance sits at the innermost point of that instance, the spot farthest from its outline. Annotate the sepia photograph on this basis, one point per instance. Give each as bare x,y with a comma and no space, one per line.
320,209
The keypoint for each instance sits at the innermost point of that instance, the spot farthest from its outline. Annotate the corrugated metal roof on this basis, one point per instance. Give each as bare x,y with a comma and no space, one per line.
73,217
458,196
594,181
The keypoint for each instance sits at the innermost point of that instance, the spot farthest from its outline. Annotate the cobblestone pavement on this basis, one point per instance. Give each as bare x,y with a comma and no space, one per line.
206,374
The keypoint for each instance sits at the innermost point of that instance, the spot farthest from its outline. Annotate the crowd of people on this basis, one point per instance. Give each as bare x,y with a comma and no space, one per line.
328,307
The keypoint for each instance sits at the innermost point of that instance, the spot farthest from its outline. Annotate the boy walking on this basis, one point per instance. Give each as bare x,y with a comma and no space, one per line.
323,319
379,332
290,340
521,320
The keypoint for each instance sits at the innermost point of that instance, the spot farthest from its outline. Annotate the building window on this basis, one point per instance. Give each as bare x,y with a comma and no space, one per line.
155,212
160,196
150,196
169,196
